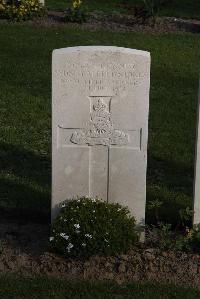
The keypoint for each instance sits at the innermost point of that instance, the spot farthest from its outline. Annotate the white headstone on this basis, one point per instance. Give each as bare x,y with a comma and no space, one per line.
196,218
100,125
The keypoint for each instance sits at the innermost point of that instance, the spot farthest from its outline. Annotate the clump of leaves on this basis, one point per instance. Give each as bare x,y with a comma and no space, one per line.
160,236
149,10
190,242
75,13
185,216
89,226
21,10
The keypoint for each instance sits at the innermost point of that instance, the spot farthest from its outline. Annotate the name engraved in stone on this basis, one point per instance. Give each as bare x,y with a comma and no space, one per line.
116,76
100,129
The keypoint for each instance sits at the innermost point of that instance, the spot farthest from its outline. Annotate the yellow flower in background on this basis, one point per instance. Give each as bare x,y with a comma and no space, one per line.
189,232
2,7
25,10
76,4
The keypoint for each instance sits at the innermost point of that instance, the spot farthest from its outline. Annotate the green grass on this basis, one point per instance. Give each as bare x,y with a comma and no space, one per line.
50,288
25,114
175,8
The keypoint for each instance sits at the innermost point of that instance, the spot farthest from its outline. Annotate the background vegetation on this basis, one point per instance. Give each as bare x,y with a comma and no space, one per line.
175,8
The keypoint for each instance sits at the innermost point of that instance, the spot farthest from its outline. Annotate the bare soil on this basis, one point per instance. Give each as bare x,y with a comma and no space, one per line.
24,250
117,22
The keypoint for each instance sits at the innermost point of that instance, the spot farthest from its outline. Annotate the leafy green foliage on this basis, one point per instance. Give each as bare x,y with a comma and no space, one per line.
191,241
75,13
185,215
86,227
160,236
163,237
19,10
152,7
194,239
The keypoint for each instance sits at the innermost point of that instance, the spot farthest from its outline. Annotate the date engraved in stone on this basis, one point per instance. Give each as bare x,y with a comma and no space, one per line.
114,76
100,129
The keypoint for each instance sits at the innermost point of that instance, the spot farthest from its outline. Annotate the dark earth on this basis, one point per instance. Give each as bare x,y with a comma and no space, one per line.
117,22
24,250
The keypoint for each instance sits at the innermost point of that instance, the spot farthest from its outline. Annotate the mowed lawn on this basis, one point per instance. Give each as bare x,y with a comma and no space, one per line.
172,8
50,288
25,114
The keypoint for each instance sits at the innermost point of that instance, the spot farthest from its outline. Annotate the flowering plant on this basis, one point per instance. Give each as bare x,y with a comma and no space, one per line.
20,9
76,4
75,12
88,226
190,242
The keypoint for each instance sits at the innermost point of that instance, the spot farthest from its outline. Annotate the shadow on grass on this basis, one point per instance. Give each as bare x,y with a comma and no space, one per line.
24,184
172,184
173,175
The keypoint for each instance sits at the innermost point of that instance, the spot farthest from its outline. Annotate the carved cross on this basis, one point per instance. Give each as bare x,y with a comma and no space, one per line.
100,136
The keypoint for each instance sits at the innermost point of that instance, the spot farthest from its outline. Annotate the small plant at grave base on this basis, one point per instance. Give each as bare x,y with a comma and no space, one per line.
75,13
89,226
148,11
185,216
20,10
191,241
160,236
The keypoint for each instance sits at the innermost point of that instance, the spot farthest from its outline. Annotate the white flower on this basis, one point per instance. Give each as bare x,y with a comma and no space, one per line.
88,236
63,235
63,205
51,239
83,244
77,231
93,211
106,240
93,200
76,225
119,209
70,246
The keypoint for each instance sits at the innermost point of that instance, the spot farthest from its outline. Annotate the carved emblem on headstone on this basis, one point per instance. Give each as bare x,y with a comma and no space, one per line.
100,129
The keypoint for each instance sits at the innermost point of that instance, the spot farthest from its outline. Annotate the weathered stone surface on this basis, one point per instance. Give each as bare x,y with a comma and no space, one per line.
196,219
100,125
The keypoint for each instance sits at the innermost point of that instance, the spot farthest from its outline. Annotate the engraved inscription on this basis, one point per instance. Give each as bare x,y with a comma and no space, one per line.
116,76
100,129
